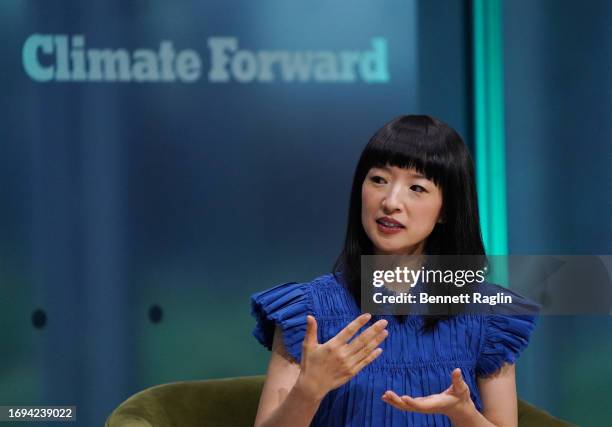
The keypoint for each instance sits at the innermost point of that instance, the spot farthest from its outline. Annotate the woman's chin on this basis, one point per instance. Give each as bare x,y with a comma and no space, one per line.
389,250
385,248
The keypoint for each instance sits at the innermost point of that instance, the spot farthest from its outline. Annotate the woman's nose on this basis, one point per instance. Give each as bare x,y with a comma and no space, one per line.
391,201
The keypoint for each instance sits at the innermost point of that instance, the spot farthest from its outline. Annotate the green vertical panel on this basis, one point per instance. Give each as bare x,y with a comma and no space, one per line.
489,126
480,110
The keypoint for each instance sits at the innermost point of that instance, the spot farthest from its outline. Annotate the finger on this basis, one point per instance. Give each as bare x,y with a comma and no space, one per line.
396,405
311,331
420,404
368,359
351,329
365,350
459,384
366,337
393,399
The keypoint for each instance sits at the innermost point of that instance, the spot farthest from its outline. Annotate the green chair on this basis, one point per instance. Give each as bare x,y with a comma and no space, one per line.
231,402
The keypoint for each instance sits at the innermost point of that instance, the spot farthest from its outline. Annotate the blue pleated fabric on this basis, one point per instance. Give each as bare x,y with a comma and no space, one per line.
412,362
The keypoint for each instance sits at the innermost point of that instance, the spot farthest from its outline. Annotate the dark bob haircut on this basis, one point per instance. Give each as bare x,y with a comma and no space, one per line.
437,151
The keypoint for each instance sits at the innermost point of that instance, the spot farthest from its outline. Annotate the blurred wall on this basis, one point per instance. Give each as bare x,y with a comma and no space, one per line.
558,58
138,217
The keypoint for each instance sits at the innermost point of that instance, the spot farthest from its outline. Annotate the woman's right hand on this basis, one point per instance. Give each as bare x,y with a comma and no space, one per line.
325,367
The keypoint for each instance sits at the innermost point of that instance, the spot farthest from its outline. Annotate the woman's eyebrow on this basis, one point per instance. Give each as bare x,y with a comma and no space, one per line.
384,168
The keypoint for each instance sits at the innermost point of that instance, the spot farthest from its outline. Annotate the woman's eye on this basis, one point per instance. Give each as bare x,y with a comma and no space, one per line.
417,188
377,179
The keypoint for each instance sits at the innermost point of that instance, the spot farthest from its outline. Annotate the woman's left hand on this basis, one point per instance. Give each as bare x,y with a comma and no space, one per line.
453,401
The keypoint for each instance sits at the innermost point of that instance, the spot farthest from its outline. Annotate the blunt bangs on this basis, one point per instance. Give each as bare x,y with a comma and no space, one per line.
418,143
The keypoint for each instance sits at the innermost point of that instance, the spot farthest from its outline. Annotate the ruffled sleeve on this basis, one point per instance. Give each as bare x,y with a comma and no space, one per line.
506,331
286,305
505,337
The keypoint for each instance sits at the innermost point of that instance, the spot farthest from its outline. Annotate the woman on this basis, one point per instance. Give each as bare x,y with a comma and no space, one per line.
413,193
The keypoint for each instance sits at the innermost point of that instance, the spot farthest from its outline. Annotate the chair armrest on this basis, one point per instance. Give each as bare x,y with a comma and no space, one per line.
530,416
218,402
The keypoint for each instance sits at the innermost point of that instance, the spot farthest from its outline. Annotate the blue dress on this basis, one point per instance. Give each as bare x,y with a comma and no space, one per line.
412,362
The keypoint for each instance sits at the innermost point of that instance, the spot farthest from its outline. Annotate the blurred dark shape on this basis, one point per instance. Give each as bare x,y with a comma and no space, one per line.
155,313
39,318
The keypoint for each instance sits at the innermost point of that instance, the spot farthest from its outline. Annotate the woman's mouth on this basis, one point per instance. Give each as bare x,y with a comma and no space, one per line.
389,226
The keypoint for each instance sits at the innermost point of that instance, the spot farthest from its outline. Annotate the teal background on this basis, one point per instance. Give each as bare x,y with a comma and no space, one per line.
559,185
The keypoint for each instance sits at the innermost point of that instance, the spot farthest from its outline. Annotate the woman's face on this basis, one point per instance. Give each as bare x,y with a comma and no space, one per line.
399,209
